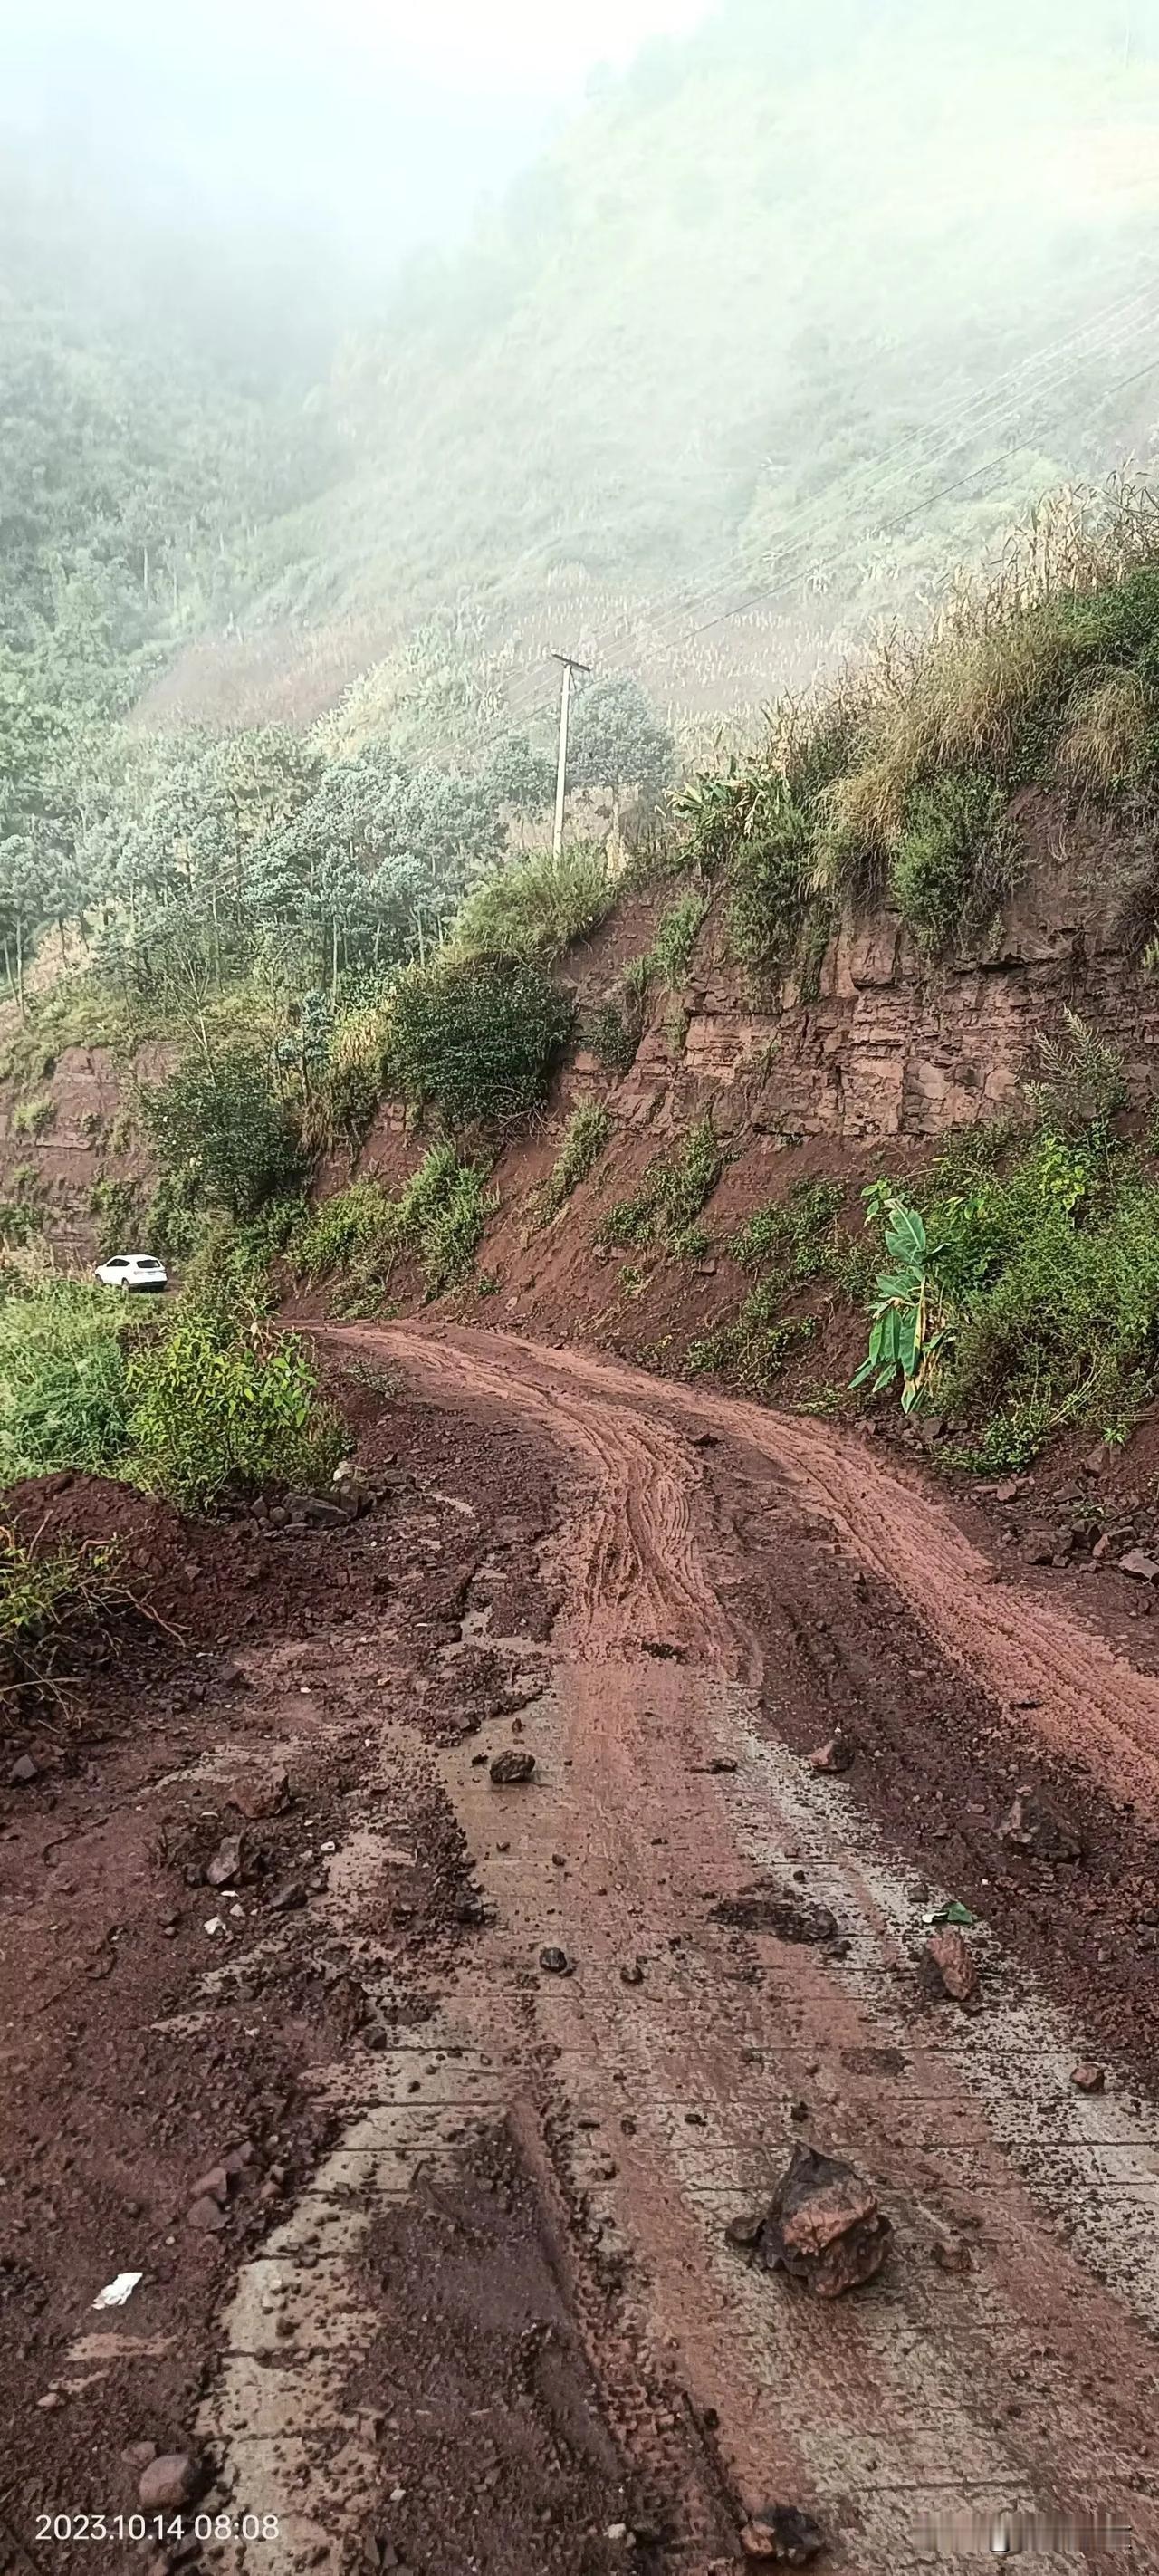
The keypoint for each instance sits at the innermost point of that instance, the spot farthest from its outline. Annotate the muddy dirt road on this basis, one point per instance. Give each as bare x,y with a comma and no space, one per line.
1028,2380
482,2312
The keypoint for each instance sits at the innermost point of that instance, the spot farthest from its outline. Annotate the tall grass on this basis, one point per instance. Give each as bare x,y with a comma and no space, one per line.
538,908
64,1399
355,1238
585,1138
1042,668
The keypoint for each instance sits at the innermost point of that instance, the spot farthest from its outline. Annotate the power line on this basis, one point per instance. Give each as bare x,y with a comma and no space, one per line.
520,703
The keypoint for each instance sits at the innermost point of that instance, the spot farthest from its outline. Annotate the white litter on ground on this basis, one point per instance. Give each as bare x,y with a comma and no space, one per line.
115,2295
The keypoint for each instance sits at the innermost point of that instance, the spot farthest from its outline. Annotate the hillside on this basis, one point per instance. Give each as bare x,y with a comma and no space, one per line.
810,305
908,948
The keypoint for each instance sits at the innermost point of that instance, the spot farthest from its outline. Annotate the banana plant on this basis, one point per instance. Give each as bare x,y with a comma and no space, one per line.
912,1320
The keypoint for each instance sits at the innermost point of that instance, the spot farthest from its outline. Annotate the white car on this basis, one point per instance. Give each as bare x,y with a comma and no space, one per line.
132,1270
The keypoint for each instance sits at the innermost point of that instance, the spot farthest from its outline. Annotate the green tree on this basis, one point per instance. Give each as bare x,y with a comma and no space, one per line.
222,1134
618,743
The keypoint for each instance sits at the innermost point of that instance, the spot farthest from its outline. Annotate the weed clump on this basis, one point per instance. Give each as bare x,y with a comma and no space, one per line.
755,1346
665,1208
539,907
1023,1289
902,781
584,1140
64,1399
613,1034
674,946
217,1409
355,1238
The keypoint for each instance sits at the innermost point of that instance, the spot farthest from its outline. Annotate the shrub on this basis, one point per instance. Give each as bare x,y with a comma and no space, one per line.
218,1411
115,1202
34,1117
1082,1083
476,1036
353,1081
20,1220
584,1140
1032,1296
442,1212
613,1036
358,1235
953,859
63,1382
221,1135
771,876
670,1197
675,942
538,907
238,1260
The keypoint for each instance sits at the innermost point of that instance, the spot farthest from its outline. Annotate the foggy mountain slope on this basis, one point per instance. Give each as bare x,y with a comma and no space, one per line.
151,416
768,297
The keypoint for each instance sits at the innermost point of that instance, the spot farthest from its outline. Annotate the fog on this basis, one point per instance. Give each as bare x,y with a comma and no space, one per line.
379,123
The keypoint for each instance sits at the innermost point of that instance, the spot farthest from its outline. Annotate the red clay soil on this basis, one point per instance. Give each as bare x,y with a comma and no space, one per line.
498,2065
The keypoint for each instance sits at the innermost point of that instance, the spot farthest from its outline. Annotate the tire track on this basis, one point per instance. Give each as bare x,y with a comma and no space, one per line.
1029,2382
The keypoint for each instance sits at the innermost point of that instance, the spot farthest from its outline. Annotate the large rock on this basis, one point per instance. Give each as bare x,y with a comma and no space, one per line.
823,2226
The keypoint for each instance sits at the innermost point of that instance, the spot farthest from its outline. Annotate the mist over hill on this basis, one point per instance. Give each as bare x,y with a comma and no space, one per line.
792,318
811,304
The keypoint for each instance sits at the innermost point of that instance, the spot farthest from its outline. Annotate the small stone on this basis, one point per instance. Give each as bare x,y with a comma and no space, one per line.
175,2479
286,1900
1040,1547
1038,1830
555,1963
1143,1568
23,1770
617,2532
951,2255
632,1972
745,2230
783,2535
206,2214
956,1966
225,1869
214,2185
256,1799
834,1758
51,2402
1089,2079
137,2455
773,1909
509,1770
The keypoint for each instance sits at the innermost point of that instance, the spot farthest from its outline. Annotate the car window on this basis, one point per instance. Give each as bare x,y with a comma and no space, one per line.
145,1261
120,1261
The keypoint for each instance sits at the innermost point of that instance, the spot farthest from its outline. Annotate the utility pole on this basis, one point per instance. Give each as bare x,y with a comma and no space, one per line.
564,720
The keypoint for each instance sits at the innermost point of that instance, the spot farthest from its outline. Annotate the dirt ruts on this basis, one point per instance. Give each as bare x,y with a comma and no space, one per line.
513,2055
